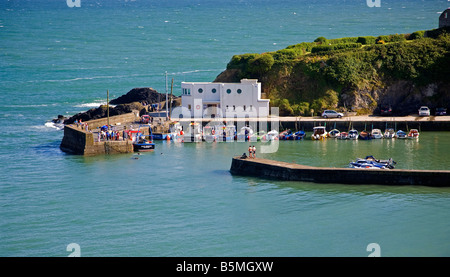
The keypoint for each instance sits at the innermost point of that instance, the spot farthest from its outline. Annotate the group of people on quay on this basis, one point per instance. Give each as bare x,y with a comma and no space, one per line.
82,125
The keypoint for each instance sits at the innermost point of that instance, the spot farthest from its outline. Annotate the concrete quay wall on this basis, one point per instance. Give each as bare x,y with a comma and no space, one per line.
80,142
294,172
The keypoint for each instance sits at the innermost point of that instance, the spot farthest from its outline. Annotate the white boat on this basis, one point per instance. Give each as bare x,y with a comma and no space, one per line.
353,134
319,133
245,134
334,133
194,133
210,134
271,135
389,133
376,134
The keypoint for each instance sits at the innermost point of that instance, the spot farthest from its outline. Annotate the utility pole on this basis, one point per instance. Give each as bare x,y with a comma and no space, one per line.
167,106
107,106
171,99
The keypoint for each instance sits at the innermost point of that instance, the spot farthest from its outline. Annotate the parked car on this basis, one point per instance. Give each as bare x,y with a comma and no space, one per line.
386,110
441,111
331,113
424,111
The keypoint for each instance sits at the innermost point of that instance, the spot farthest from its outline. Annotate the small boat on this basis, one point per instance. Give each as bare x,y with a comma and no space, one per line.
299,135
389,133
413,134
376,134
171,134
228,132
143,143
400,134
371,163
286,135
210,134
319,133
334,133
245,134
271,135
364,135
194,133
353,134
342,135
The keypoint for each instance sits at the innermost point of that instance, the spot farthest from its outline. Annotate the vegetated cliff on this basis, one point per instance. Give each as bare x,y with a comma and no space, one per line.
361,74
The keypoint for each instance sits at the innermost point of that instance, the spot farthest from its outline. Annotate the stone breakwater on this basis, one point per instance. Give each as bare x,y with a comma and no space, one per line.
276,170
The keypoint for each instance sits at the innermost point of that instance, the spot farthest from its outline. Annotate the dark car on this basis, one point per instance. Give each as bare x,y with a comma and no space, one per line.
441,111
386,110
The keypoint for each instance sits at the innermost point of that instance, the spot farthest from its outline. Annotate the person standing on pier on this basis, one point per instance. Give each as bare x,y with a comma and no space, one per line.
254,151
250,151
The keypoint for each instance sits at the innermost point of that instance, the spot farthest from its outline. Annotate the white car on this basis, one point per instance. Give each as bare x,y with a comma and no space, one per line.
331,113
424,111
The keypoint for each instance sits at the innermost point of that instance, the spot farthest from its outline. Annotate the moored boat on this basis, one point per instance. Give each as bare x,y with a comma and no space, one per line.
194,133
371,163
299,135
334,133
413,134
143,143
401,134
376,134
342,135
352,134
389,133
319,133
245,134
272,135
286,135
364,135
228,132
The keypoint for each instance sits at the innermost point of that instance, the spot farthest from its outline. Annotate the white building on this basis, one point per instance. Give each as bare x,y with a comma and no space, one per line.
205,99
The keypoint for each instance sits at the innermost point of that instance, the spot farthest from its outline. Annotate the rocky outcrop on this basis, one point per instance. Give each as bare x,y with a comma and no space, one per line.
142,95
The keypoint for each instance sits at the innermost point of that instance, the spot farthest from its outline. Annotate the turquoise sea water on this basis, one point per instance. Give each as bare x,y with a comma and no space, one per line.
181,200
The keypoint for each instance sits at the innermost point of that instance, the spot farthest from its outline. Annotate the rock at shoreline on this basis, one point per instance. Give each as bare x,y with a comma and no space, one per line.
137,99
147,95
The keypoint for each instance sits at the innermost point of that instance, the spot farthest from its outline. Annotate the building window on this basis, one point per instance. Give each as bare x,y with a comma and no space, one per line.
239,91
234,108
228,91
251,107
214,90
189,107
200,90
227,108
244,107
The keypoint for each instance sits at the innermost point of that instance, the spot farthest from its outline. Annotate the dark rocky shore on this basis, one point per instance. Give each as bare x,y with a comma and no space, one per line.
137,99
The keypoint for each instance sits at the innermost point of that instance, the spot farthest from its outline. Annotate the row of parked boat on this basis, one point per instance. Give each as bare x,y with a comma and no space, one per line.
221,132
320,133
